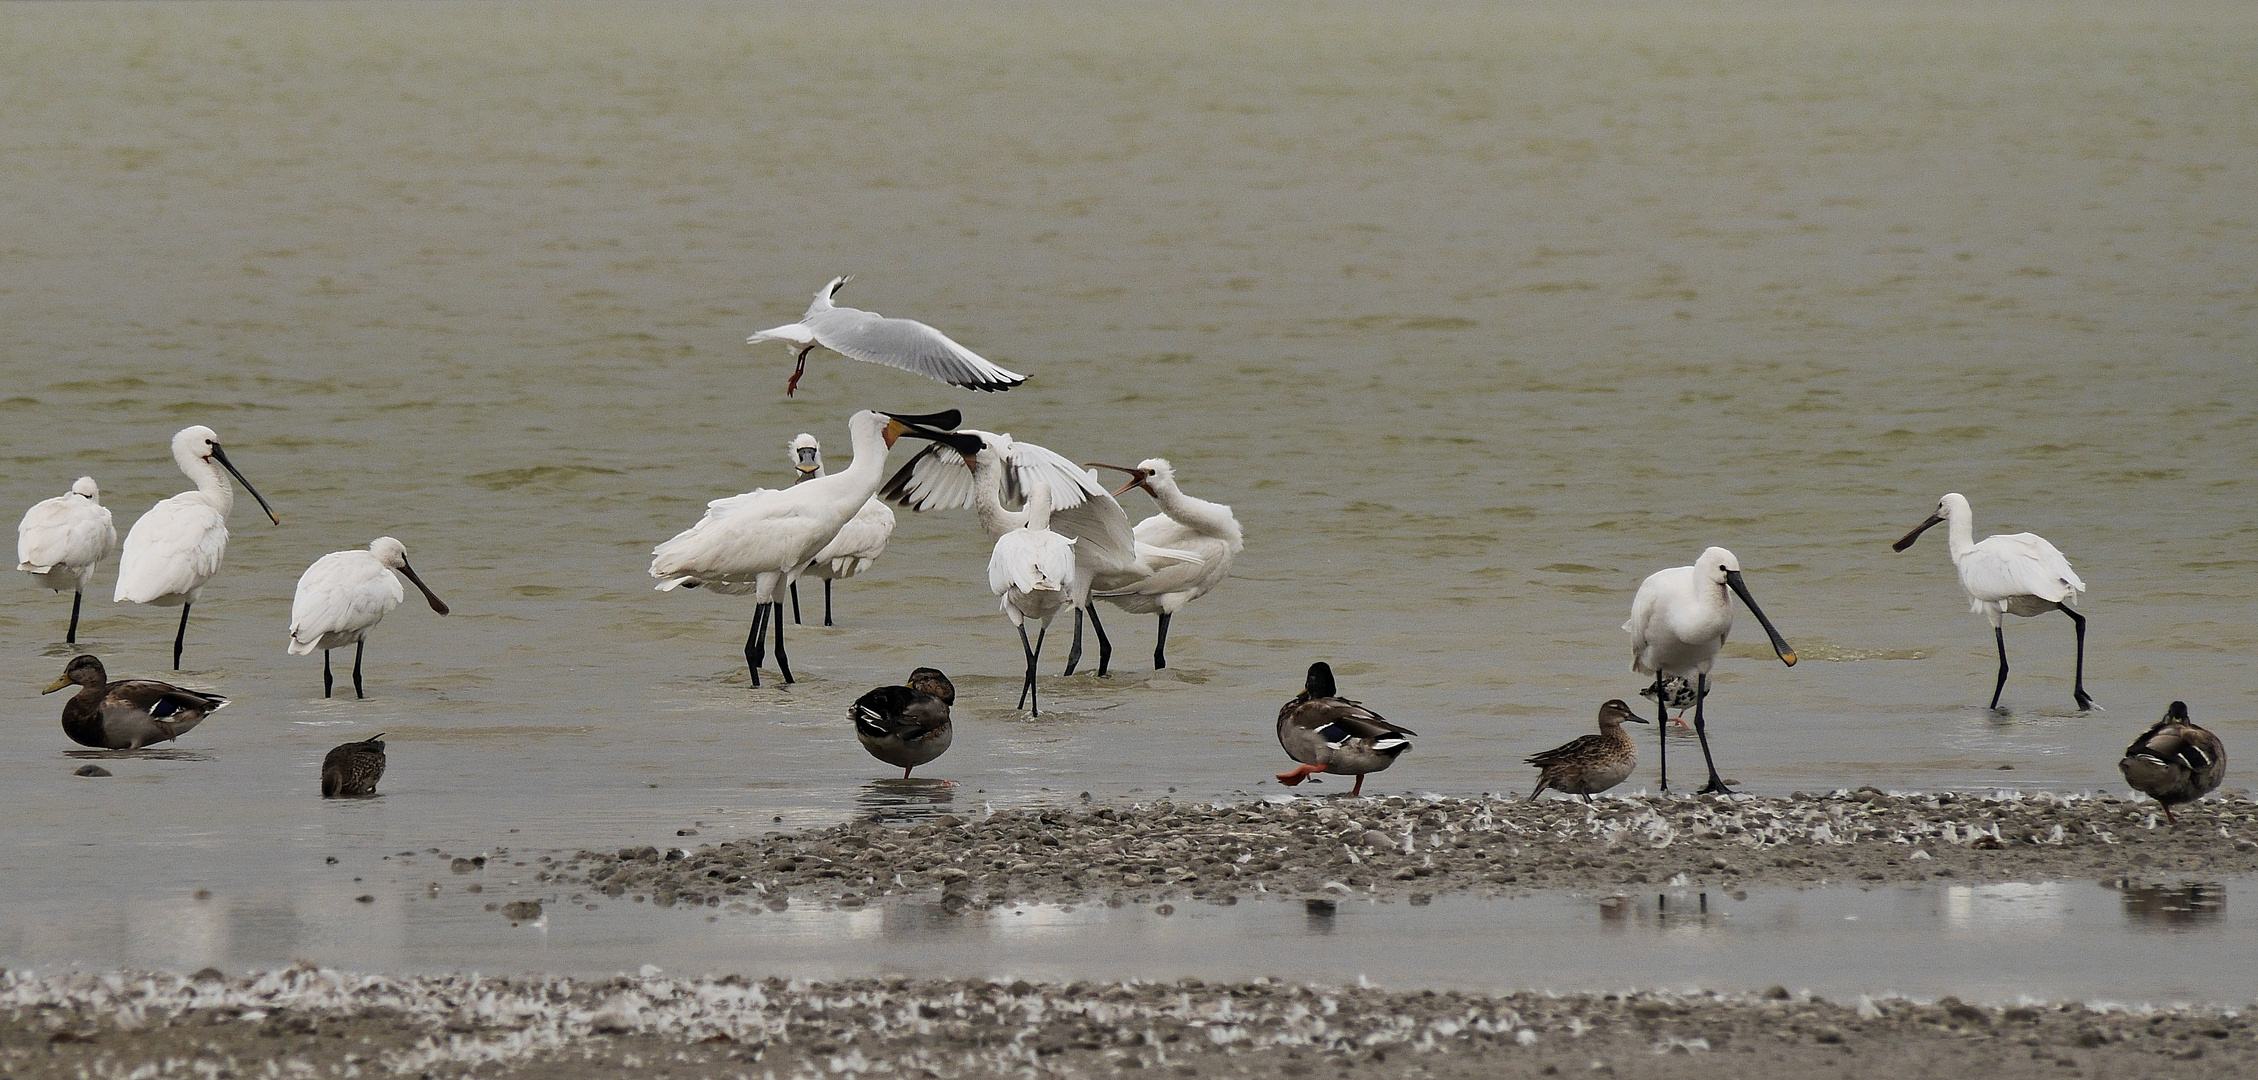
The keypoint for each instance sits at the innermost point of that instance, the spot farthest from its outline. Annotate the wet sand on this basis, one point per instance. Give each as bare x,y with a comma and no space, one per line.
310,1022
1396,846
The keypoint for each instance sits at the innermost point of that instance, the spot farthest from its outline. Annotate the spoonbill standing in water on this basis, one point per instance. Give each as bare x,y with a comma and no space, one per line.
762,541
2020,574
1205,531
175,548
858,545
1106,552
343,595
873,338
1679,620
62,538
1032,568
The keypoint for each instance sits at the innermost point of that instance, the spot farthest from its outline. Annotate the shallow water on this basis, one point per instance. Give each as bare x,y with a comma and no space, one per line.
1477,314
2159,944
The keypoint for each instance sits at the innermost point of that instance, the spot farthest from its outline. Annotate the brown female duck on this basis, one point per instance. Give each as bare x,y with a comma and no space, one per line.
351,770
128,715
1590,764
2175,761
1328,733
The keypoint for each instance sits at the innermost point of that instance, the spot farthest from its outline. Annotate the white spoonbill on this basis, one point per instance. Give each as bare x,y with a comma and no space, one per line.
873,338
1679,620
1106,554
1206,533
762,541
175,548
858,545
1032,568
62,538
2009,575
343,595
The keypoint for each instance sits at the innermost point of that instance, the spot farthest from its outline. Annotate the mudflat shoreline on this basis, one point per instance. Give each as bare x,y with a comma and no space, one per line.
1395,846
305,1021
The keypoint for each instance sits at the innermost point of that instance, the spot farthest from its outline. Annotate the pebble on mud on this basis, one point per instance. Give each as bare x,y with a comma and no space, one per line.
130,1022
92,770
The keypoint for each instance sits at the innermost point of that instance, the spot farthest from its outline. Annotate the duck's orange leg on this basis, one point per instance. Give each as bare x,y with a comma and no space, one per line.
1301,773
1359,788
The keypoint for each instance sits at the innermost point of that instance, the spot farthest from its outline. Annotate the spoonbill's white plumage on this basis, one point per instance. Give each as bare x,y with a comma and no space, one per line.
762,541
61,539
859,543
343,595
870,337
1106,554
2020,574
1033,570
1190,544
1679,621
175,548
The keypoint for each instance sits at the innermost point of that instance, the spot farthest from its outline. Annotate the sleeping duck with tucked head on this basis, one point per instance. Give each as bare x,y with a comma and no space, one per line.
128,715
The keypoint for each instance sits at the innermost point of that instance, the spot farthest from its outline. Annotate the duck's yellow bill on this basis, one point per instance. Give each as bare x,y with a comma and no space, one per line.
57,685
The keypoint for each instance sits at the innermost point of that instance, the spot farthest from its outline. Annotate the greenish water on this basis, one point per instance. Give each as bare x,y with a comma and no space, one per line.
1476,314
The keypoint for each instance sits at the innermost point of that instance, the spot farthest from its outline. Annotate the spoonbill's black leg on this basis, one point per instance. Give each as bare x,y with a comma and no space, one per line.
328,681
795,603
782,664
358,648
181,637
1661,728
1034,700
1026,685
2085,701
1074,653
1999,635
70,637
1105,648
756,643
826,602
1716,785
1160,646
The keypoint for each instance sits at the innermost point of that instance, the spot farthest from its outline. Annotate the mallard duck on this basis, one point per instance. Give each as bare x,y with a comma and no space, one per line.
906,725
1589,764
1329,733
351,770
128,715
2175,761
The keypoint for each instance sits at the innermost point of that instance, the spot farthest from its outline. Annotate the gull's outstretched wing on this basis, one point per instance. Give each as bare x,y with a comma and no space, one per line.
906,344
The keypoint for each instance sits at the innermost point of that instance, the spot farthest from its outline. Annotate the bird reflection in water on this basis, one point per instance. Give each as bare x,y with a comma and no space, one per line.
2173,907
895,799
1671,913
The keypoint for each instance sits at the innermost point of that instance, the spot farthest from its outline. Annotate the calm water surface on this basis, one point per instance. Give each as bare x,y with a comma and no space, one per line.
1476,314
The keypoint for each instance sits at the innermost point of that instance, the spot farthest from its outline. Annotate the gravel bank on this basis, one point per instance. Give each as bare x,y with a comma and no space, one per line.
1393,845
305,1022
